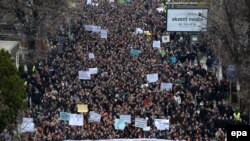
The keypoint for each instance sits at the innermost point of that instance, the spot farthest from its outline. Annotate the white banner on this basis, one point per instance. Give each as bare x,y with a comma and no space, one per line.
96,29
89,1
166,39
146,128
88,27
162,124
127,140
26,127
126,118
27,120
104,33
76,119
140,122
157,44
93,70
152,77
166,86
187,20
139,31
91,56
84,75
94,117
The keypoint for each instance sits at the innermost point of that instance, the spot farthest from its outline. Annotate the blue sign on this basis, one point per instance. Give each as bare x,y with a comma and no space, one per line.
230,71
216,62
64,116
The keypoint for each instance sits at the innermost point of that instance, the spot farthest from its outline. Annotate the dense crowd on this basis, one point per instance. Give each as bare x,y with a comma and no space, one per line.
195,106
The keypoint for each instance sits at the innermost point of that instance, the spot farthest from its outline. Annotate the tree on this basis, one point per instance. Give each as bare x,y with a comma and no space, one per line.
12,91
34,19
229,34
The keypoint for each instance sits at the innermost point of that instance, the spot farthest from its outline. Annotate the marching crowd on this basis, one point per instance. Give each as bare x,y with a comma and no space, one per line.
195,106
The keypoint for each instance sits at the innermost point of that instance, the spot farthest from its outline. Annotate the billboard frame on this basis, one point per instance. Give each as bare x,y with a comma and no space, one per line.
193,32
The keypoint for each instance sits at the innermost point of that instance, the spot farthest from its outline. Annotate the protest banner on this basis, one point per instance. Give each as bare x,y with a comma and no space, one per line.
84,75
140,122
147,128
142,139
94,117
162,124
156,44
82,108
96,29
91,56
126,118
89,2
134,52
152,77
119,124
138,31
26,127
122,1
64,116
26,120
93,70
76,119
144,85
166,86
104,33
166,39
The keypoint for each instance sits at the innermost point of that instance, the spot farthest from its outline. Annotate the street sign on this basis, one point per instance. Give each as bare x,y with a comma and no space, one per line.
230,71
216,62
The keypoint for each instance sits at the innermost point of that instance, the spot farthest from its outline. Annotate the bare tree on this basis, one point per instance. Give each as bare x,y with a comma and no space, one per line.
33,19
229,34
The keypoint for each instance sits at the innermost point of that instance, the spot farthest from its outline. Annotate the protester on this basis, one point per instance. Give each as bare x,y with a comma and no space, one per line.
194,106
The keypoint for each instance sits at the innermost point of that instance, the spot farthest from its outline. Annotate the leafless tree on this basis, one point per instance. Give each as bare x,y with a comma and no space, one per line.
34,19
229,34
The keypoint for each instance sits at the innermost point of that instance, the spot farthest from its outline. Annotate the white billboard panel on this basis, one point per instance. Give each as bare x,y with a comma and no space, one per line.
187,20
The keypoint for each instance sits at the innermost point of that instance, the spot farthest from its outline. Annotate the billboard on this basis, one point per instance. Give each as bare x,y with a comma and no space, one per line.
192,20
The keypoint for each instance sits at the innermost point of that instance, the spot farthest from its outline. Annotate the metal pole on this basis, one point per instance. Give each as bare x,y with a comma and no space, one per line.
230,90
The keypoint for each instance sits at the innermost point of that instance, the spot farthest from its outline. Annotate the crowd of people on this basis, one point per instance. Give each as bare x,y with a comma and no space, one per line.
195,106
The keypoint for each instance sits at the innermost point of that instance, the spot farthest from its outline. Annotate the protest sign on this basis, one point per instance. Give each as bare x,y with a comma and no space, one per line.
104,33
96,29
166,86
91,56
134,52
138,31
26,120
64,116
89,2
144,85
162,124
140,122
126,139
122,1
152,77
157,44
147,128
88,27
93,70
84,75
26,127
119,124
147,33
166,39
94,117
82,108
76,119
160,9
126,118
